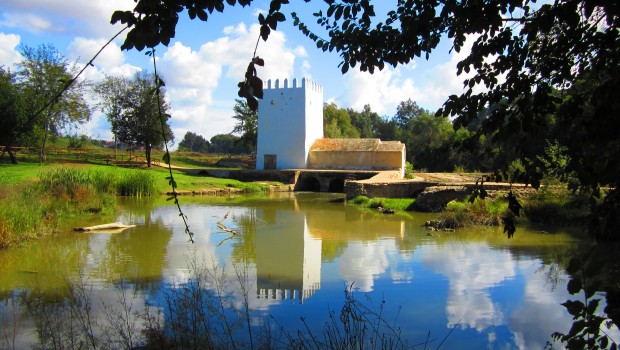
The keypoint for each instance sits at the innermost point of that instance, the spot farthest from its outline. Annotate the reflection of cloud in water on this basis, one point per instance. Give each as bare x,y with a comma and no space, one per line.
205,254
541,313
362,261
471,269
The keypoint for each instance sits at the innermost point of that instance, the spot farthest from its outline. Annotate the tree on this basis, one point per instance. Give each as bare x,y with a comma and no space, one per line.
337,123
194,143
366,122
247,124
428,139
111,92
43,73
227,144
13,113
142,115
407,110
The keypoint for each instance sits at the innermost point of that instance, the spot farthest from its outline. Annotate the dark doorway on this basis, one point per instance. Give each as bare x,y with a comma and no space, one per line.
310,184
336,186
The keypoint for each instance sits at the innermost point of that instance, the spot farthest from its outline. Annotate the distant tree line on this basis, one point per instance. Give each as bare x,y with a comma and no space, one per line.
33,109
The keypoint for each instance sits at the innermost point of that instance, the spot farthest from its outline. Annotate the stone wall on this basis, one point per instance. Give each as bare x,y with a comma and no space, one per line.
360,160
287,177
404,189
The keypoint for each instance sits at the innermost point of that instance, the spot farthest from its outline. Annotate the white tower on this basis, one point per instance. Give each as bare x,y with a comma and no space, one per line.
290,119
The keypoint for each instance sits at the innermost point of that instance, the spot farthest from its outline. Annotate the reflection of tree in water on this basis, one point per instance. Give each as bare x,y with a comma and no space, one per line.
137,255
244,246
330,250
43,263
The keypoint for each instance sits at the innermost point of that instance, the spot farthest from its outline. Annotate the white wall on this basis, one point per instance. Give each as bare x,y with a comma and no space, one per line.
290,118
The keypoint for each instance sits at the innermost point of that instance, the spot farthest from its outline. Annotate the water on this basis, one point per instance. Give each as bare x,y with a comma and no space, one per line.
471,289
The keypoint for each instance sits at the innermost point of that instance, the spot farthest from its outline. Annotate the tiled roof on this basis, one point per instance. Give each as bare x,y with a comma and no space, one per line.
356,145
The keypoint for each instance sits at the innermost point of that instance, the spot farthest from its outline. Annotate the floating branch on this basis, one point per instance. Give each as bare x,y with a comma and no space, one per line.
221,226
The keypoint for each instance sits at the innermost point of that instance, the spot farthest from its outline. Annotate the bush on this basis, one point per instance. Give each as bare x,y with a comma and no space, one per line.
409,171
480,212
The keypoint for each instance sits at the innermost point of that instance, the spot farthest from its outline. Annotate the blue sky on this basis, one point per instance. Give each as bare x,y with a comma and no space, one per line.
204,62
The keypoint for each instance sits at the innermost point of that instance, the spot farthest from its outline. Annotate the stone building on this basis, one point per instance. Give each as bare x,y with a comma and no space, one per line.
290,135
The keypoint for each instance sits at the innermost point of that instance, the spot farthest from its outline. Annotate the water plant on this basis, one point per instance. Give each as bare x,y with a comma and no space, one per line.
205,312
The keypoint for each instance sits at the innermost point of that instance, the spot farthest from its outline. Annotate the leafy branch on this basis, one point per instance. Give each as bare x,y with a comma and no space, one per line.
587,330
159,83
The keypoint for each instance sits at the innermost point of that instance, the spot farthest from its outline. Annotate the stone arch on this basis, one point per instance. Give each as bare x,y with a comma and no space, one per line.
336,185
311,184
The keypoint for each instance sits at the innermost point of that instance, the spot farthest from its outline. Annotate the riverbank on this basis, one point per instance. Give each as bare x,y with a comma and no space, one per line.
85,189
35,198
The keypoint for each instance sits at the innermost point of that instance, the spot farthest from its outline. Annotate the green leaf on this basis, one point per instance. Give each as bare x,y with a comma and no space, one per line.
574,285
202,15
576,328
279,16
594,268
574,265
338,13
258,61
592,305
574,307
264,32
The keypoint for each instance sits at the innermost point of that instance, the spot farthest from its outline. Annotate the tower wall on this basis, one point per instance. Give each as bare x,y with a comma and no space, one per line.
290,119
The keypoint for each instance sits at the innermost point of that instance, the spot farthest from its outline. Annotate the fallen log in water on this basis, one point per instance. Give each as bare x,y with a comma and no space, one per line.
112,226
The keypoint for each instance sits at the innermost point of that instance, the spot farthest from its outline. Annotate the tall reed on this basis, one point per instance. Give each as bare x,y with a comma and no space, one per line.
137,183
32,210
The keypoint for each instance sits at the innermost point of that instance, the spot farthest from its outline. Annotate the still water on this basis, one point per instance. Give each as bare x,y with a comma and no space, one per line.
298,252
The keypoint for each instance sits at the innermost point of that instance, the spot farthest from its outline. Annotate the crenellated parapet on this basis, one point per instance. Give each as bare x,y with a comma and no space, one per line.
294,84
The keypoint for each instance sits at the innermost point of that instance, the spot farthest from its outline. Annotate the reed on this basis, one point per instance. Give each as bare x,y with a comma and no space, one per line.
137,183
22,218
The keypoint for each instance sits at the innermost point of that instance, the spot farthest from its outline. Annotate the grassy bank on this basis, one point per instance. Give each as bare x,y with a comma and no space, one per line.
35,197
34,208
389,204
551,205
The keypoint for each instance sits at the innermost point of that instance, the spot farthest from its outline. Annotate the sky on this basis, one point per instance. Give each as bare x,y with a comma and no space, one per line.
204,62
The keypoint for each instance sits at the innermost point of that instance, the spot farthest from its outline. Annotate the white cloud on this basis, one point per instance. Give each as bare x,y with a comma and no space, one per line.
194,77
84,49
383,90
33,22
78,17
8,52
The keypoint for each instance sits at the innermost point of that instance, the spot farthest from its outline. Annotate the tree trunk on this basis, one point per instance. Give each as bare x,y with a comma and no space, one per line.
147,148
11,154
7,149
42,150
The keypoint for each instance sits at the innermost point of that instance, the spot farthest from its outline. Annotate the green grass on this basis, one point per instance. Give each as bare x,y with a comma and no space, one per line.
191,182
396,204
18,174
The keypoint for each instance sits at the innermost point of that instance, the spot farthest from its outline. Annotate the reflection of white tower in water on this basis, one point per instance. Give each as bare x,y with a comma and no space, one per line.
288,260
